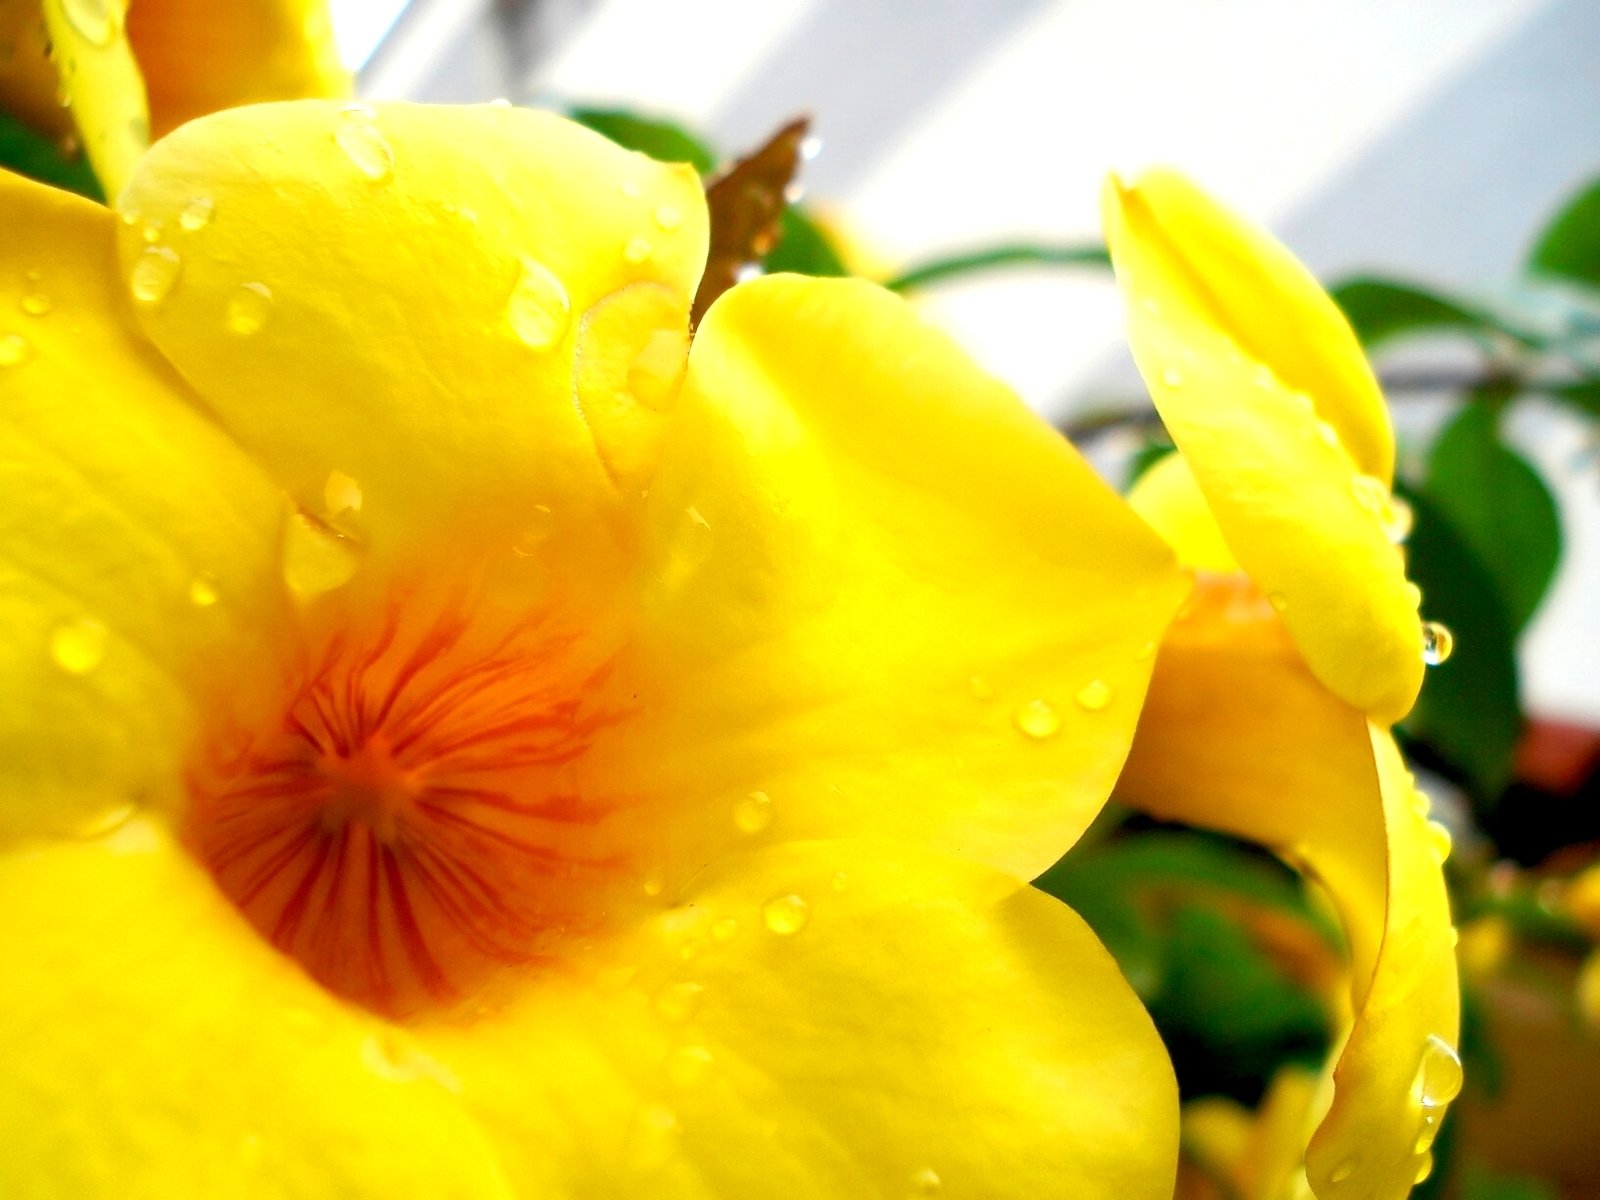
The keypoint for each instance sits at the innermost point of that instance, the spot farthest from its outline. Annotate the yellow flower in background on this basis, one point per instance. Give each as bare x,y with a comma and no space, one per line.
110,74
1269,710
460,739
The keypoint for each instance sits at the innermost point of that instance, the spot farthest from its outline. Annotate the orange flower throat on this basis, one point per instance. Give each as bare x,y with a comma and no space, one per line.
407,825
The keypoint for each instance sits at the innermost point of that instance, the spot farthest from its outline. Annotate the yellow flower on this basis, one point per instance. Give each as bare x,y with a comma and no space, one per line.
461,740
111,73
1268,713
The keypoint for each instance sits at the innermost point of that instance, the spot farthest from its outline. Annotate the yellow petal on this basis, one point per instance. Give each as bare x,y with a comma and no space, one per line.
198,58
1235,278
135,539
415,298
832,1020
100,82
1168,497
1236,735
1281,434
156,1047
880,593
28,80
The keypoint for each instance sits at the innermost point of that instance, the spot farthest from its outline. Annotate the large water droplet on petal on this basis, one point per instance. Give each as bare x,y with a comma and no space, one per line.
1038,719
316,560
249,307
753,814
1437,643
786,915
154,275
538,309
926,1182
1094,695
78,646
196,215
364,144
1439,1075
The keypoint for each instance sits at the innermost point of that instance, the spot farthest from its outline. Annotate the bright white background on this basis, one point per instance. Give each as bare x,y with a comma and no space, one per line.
1425,138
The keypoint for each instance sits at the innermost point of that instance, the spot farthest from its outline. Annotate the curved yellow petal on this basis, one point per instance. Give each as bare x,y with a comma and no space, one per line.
199,58
100,82
1245,285
1237,735
442,306
880,594
134,538
831,1019
156,1047
1285,457
1170,500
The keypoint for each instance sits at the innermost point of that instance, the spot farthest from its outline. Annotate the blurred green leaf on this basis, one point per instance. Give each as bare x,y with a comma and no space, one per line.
664,140
972,262
30,153
803,247
1382,310
1498,503
1583,395
1480,1183
1569,246
1468,712
1169,906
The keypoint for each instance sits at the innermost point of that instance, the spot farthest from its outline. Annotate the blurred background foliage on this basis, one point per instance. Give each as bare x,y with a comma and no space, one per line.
1236,956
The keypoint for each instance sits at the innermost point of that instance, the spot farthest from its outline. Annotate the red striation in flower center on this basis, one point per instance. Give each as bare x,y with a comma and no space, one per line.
408,825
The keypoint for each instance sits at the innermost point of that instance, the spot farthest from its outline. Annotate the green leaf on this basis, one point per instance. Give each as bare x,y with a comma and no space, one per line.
803,247
1498,503
972,262
1583,395
1382,310
660,139
1480,1183
1468,713
1569,246
37,156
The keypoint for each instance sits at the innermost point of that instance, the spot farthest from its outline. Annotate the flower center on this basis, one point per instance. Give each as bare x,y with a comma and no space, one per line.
405,821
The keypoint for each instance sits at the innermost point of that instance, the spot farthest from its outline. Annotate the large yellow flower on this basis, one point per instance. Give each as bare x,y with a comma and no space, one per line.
110,73
460,740
1268,714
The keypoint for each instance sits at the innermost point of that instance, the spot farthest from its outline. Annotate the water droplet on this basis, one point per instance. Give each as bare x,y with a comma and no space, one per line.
657,370
1424,1169
1437,643
203,591
926,1182
786,915
1038,719
637,250
196,215
654,881
316,560
753,814
1370,492
79,645
668,216
1439,841
1398,520
631,189
541,523
724,929
1439,1075
341,495
1327,435
94,20
1427,1132
364,144
1279,602
677,1001
14,349
840,881
1344,1170
1172,377
687,1065
1094,695
650,1137
249,307
35,304
538,310
151,232
155,274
